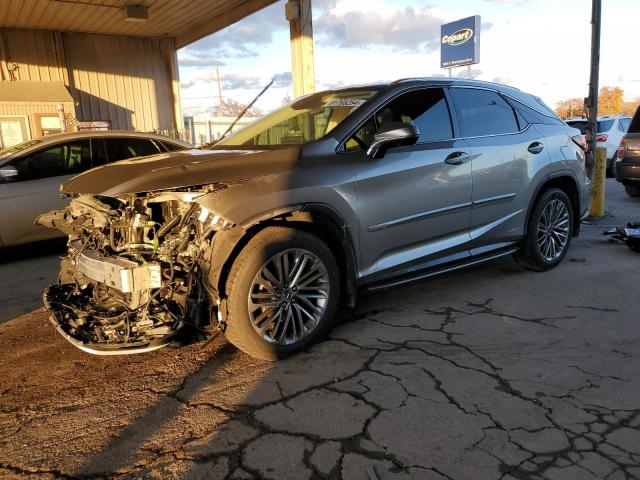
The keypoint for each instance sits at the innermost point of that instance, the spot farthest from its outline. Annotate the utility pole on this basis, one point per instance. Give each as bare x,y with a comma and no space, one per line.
591,102
220,104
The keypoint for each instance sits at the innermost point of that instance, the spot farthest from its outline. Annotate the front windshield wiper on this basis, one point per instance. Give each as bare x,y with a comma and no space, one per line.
233,124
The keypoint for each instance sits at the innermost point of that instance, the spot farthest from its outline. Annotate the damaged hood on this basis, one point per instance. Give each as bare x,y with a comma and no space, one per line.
181,169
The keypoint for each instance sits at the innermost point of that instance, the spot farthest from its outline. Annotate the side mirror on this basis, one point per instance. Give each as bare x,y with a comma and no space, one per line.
8,174
392,134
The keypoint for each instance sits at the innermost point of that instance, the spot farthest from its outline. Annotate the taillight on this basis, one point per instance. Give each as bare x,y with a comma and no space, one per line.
581,141
620,153
601,138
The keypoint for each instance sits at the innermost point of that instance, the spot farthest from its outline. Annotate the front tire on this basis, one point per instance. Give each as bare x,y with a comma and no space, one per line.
283,292
549,232
632,190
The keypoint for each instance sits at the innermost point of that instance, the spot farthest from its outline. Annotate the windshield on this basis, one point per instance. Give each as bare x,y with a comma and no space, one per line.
603,125
9,152
305,120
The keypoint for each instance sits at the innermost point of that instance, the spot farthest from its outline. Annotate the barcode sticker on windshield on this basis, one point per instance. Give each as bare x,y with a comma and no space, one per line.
345,102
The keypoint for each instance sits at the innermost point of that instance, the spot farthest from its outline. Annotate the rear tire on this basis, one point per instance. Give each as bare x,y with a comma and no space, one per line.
549,232
611,171
632,190
272,312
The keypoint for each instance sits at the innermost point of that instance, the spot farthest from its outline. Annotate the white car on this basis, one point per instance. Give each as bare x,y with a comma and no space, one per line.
31,173
611,129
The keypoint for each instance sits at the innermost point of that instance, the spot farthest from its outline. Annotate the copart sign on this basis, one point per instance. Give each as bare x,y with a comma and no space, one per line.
460,42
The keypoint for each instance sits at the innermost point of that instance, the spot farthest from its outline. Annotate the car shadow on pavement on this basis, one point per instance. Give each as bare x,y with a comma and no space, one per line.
32,250
124,450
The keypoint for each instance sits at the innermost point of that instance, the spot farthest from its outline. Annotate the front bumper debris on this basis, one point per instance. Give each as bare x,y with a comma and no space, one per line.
67,326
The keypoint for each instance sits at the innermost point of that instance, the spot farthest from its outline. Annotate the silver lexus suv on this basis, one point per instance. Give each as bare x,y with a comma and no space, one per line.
267,233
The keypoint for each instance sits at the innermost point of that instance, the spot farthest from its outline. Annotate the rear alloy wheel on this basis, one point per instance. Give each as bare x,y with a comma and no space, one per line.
548,232
632,190
283,292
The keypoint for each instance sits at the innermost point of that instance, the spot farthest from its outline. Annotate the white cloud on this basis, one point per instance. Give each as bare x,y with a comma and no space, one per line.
243,39
406,29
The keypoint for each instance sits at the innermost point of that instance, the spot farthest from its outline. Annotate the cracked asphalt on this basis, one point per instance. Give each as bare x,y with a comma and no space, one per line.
490,373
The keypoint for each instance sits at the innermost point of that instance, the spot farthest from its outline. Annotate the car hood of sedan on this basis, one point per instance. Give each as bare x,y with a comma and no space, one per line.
181,169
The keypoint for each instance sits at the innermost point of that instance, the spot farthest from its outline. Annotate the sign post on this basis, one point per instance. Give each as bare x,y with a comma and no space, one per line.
460,43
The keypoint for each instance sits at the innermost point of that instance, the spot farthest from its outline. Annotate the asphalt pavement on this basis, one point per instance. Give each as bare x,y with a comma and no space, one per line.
489,373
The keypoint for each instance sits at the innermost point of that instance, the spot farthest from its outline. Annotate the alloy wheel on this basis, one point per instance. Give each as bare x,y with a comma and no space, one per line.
553,230
289,296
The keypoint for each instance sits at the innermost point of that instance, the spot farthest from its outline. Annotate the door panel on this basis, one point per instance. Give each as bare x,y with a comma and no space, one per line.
505,153
413,207
35,189
22,202
502,169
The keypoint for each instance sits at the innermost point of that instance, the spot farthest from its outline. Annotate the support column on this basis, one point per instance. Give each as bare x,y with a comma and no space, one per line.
298,13
174,77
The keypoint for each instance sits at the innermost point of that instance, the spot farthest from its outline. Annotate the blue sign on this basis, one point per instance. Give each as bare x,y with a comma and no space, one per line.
460,42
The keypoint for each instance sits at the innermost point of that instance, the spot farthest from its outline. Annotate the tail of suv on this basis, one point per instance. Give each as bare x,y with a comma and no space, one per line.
611,129
628,158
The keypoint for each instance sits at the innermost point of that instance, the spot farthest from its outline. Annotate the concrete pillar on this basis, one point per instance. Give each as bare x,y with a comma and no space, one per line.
298,13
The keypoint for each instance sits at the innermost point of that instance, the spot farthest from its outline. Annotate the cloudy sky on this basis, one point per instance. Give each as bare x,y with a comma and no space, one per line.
541,46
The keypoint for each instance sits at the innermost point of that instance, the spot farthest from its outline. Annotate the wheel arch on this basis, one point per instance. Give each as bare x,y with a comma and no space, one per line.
566,182
319,219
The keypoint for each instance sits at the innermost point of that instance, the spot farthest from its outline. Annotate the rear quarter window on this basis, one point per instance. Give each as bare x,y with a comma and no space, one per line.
605,125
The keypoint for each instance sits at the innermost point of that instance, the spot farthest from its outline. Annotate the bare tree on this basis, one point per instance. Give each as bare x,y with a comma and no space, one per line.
233,108
572,107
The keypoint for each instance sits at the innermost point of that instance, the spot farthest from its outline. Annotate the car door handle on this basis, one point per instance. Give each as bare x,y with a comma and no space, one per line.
536,147
456,158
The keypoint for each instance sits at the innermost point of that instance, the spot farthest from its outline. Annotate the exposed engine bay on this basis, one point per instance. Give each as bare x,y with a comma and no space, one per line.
135,274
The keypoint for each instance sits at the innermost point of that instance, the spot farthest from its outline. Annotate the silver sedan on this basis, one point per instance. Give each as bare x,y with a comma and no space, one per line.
31,173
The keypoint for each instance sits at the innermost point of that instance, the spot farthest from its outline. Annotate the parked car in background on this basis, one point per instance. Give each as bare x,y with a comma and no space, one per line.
611,129
31,173
628,158
266,233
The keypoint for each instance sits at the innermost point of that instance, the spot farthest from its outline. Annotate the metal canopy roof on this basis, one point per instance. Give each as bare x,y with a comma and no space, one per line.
186,20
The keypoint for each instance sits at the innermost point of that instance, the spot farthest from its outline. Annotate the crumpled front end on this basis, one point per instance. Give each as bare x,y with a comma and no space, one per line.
134,278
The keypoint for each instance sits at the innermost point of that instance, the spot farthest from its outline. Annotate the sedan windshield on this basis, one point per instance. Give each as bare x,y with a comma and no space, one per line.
305,120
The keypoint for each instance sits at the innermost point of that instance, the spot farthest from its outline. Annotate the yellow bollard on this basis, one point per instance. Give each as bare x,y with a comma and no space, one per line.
596,203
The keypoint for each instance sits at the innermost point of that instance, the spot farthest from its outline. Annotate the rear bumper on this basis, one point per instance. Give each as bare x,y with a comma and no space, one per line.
627,173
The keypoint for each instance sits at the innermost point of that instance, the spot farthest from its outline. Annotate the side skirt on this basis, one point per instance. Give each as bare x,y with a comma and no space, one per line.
421,275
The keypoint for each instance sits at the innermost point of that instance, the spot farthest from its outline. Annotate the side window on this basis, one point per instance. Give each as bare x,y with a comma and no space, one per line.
483,112
427,109
172,147
623,124
61,159
123,148
98,152
363,137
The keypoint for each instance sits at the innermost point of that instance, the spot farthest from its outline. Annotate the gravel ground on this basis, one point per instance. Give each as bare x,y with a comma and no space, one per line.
490,373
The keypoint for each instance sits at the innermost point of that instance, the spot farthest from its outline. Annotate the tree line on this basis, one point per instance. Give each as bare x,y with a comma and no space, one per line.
610,102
